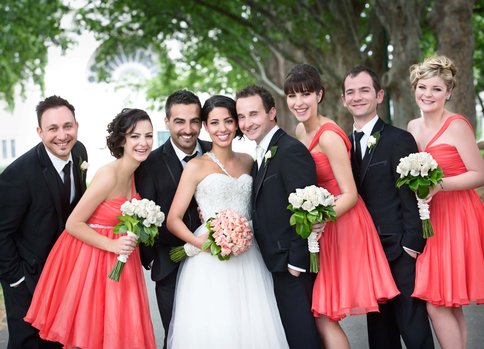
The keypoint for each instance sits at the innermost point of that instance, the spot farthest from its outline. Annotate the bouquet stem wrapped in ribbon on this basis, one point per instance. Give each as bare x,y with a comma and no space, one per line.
421,173
140,219
229,234
310,205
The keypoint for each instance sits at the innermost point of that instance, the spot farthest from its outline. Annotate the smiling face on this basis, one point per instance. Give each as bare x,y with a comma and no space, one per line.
221,127
303,105
139,141
184,126
431,94
360,97
58,131
254,121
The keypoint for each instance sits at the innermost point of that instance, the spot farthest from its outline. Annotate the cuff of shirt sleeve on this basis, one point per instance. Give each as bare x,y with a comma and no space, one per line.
296,268
15,284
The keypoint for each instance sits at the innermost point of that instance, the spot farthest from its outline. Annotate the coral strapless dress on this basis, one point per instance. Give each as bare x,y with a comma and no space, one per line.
450,271
76,304
354,273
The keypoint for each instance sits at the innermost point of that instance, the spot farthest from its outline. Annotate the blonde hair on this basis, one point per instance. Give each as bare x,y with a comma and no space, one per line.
440,66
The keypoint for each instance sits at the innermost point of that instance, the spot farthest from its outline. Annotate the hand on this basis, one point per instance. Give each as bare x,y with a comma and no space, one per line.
124,245
318,229
201,240
411,253
433,191
293,272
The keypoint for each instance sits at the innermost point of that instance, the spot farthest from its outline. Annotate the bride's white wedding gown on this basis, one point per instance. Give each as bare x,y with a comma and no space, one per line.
225,304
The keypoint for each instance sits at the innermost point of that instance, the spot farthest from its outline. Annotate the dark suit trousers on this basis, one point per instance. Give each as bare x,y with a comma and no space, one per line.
403,315
20,333
165,296
293,295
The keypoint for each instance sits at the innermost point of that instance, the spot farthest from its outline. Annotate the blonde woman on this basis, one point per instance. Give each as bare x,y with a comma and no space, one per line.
450,270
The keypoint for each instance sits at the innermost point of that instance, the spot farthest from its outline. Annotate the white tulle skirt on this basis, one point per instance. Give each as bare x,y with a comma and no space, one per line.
225,304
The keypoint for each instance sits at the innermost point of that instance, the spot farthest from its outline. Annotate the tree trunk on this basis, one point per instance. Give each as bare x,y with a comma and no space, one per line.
401,21
451,22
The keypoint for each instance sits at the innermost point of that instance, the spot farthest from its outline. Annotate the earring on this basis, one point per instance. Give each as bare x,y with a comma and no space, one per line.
448,98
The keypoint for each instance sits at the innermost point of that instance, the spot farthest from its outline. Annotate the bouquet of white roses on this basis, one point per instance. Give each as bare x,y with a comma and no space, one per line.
421,173
229,234
310,205
140,219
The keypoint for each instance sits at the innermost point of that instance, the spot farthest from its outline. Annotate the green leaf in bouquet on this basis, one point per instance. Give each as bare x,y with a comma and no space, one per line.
215,249
223,258
206,244
303,230
312,216
422,192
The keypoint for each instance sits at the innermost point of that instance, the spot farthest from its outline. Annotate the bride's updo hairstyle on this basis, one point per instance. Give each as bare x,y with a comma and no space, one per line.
122,125
303,78
219,101
440,66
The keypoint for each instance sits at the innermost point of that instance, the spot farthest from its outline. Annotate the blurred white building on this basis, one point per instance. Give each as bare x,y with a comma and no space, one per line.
71,77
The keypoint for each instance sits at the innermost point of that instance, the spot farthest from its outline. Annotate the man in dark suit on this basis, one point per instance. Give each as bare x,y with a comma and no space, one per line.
39,191
157,179
377,150
283,165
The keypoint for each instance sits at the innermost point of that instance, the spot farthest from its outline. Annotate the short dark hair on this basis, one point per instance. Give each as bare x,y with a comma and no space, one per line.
122,125
52,102
219,101
362,69
303,78
181,97
256,90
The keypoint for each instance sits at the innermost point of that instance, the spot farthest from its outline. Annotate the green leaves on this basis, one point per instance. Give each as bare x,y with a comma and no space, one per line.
421,185
304,220
146,235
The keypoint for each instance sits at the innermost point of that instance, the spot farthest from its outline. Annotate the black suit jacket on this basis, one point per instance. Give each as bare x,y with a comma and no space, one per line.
157,179
291,167
394,211
31,216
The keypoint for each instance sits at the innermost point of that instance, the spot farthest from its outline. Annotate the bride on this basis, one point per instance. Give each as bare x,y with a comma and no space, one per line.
221,304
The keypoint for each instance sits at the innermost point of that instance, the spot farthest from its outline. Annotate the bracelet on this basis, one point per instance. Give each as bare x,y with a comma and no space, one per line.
441,185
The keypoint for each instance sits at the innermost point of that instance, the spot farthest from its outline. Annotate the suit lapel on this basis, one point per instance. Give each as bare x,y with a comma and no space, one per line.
261,173
173,164
379,126
51,178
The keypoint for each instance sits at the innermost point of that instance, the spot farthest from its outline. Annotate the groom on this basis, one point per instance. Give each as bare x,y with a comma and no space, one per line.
283,164
157,179
394,211
39,191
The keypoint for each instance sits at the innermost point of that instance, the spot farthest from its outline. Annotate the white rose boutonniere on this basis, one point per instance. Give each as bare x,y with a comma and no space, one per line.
270,154
373,140
84,166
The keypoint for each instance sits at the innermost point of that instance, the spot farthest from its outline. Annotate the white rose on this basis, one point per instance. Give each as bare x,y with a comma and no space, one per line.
371,141
268,155
308,206
295,200
84,166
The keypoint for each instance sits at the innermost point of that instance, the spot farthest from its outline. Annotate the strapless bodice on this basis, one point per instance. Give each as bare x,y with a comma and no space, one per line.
218,191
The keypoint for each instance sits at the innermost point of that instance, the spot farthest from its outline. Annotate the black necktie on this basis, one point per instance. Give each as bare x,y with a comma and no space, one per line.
189,157
66,191
357,136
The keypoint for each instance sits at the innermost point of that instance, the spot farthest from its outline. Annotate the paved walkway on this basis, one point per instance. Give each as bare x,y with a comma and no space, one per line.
354,326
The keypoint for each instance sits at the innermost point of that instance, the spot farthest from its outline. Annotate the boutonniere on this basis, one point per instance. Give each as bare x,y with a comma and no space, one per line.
373,140
270,154
84,166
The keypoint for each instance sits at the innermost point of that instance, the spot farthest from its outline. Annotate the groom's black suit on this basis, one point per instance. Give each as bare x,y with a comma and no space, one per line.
290,168
31,220
395,214
157,179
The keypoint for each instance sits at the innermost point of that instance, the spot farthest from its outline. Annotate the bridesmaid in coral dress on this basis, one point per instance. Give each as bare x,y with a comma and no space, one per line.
74,302
354,273
450,271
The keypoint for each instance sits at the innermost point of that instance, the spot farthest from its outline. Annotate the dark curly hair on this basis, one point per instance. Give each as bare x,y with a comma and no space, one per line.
122,125
219,101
